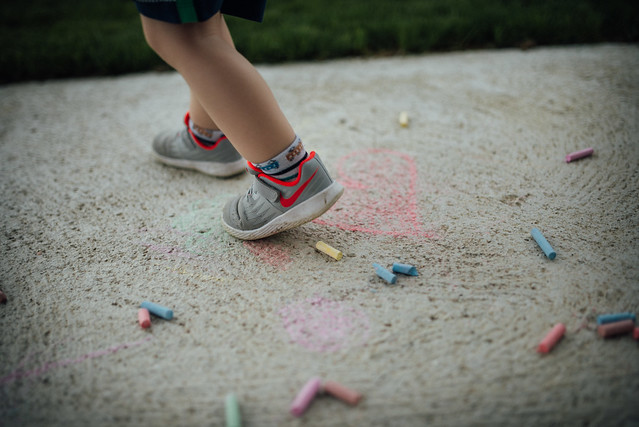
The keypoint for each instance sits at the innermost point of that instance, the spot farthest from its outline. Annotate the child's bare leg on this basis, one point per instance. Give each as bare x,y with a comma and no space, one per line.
199,115
227,87
197,112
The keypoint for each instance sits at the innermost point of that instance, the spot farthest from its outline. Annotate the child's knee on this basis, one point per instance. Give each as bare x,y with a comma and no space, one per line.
177,43
155,35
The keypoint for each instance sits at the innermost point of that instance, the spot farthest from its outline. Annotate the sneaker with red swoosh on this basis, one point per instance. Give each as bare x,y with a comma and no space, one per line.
271,205
182,149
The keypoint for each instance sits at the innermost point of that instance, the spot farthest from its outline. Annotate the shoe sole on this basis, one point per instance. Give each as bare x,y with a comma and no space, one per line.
220,170
300,214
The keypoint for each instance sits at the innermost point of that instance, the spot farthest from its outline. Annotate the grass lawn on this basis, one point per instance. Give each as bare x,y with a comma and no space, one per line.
64,38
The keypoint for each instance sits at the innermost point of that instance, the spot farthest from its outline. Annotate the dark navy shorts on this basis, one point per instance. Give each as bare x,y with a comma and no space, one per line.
184,11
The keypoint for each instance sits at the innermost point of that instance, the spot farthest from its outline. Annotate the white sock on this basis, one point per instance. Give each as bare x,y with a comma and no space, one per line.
206,136
284,165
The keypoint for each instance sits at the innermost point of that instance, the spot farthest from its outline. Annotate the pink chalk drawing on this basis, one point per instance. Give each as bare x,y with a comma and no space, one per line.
380,196
19,373
325,326
269,253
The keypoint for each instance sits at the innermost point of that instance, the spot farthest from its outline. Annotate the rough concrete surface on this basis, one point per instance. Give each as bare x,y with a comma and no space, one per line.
92,226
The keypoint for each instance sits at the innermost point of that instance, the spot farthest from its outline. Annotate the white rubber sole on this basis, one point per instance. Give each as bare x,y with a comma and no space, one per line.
220,170
300,214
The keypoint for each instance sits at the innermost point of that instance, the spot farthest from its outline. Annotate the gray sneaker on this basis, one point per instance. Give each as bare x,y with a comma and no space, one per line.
272,205
182,149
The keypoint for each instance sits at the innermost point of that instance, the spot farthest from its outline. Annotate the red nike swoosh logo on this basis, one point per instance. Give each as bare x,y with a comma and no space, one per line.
287,203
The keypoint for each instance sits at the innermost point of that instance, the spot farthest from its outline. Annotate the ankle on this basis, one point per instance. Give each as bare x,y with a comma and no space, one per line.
206,136
284,166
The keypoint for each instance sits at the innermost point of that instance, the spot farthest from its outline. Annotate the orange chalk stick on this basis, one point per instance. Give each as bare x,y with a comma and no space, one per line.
617,328
343,393
144,318
552,338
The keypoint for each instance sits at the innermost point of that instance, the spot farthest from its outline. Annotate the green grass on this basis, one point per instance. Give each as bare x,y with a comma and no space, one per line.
64,38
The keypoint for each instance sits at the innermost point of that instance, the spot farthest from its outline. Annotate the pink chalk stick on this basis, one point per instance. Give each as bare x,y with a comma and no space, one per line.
552,338
343,393
635,333
579,154
144,318
617,328
305,396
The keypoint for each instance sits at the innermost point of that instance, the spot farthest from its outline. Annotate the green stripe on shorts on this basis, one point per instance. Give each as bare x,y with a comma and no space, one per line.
186,10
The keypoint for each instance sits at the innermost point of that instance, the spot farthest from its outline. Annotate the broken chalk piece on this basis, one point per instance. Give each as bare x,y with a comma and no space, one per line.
158,310
635,333
329,250
345,394
3,298
403,119
552,338
405,269
305,396
385,274
543,243
617,328
232,409
144,318
616,317
579,154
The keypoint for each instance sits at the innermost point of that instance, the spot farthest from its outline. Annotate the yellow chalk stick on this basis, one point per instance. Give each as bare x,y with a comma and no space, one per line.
403,119
328,250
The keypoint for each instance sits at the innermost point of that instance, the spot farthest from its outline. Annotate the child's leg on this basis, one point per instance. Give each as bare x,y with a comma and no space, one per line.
197,111
226,86
200,145
199,114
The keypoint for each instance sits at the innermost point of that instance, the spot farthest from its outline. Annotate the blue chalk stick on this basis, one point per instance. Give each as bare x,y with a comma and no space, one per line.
385,274
543,243
409,270
158,310
617,317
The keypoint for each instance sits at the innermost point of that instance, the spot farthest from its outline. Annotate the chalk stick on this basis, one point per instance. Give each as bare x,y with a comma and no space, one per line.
616,317
635,333
3,298
343,393
617,328
552,338
144,318
158,310
543,243
328,250
232,410
403,119
579,154
385,274
305,396
409,270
